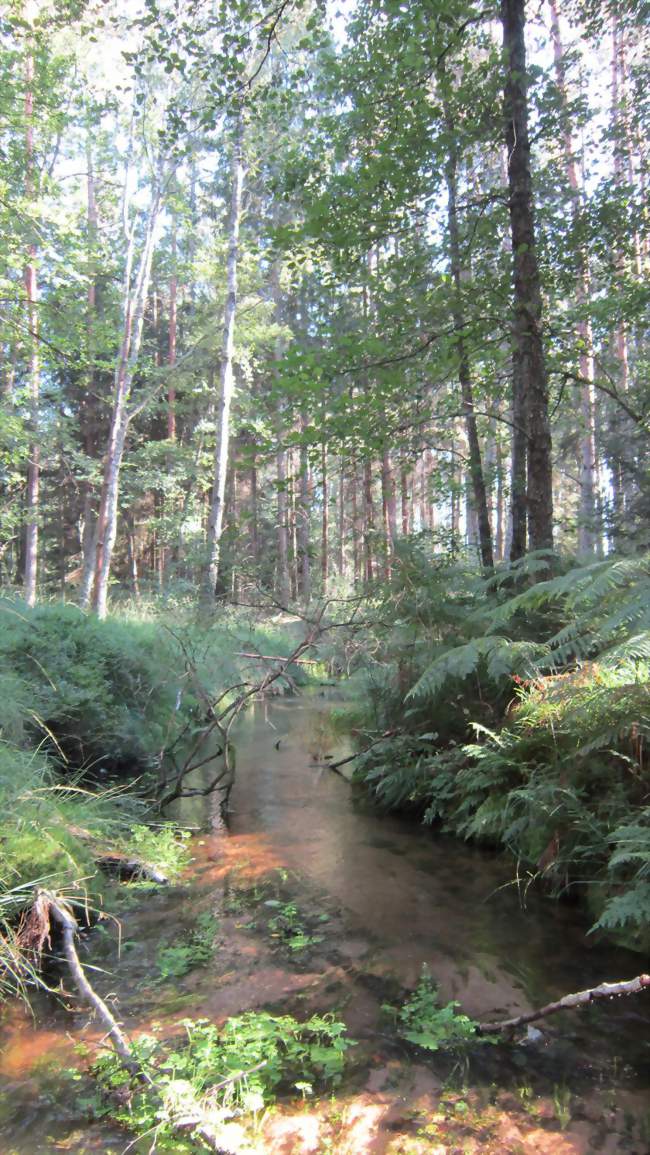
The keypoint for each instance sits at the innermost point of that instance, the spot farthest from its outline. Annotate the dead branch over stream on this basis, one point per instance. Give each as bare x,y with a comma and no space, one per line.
221,721
570,1002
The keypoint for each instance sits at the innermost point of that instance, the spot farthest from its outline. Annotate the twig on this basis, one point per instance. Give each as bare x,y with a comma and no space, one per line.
569,1002
278,658
358,753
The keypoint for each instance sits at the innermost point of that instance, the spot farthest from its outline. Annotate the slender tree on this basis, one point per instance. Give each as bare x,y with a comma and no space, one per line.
530,382
226,378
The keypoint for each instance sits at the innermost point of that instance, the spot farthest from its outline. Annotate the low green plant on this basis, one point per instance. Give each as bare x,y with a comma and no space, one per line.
176,959
164,846
424,1021
240,1067
288,925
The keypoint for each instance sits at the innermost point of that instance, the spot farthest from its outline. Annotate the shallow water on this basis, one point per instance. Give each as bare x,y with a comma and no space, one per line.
395,896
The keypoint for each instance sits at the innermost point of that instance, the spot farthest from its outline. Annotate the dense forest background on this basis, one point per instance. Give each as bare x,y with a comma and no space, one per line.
260,316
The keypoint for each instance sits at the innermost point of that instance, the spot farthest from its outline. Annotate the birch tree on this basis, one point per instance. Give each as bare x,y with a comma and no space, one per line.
226,379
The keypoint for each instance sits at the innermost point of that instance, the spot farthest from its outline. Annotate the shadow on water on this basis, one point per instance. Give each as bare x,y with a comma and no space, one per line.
395,896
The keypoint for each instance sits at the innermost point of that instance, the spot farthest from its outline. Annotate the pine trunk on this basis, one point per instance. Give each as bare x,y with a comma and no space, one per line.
325,545
477,477
530,384
588,535
31,295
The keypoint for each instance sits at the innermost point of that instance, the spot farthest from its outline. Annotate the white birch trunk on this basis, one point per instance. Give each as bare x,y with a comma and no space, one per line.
134,307
226,381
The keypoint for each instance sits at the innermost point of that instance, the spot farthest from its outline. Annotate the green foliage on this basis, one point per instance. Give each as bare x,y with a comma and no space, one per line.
164,847
255,1055
196,949
423,1021
532,738
288,925
101,694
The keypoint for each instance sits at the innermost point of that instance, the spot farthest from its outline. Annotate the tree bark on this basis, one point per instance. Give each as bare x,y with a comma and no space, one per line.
226,381
283,578
302,523
477,477
404,496
389,509
31,294
89,401
368,520
172,334
133,319
530,384
588,535
325,545
570,1002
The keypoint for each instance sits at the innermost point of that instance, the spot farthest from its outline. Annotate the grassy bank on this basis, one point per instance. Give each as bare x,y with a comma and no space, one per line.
87,712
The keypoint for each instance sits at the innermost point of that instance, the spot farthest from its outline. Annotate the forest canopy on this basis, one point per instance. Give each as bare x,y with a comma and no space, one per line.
285,284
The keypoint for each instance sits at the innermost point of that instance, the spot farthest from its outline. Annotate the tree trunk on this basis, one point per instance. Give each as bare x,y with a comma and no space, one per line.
404,494
342,525
530,384
89,402
226,382
477,477
172,331
31,294
587,529
389,509
357,529
133,320
254,512
303,523
283,579
325,545
368,520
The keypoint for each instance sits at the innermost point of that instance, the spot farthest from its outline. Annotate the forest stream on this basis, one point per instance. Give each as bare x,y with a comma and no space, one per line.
377,897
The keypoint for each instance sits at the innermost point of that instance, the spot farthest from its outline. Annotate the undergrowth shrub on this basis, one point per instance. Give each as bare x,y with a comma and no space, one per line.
518,714
424,1021
96,694
235,1069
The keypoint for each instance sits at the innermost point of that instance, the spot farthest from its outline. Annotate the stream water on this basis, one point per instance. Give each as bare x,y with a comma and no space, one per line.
384,897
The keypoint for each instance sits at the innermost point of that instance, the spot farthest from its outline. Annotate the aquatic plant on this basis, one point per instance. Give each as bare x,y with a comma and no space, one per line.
424,1021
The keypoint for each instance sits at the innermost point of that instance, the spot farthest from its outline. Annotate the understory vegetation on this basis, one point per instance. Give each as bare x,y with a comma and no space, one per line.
88,710
515,711
239,1067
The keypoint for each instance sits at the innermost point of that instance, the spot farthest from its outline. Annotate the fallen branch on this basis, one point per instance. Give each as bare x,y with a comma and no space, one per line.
60,913
278,658
131,869
199,1115
569,1002
357,754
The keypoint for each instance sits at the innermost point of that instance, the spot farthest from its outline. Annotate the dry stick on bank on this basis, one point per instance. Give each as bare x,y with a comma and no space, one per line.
570,1002
48,908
